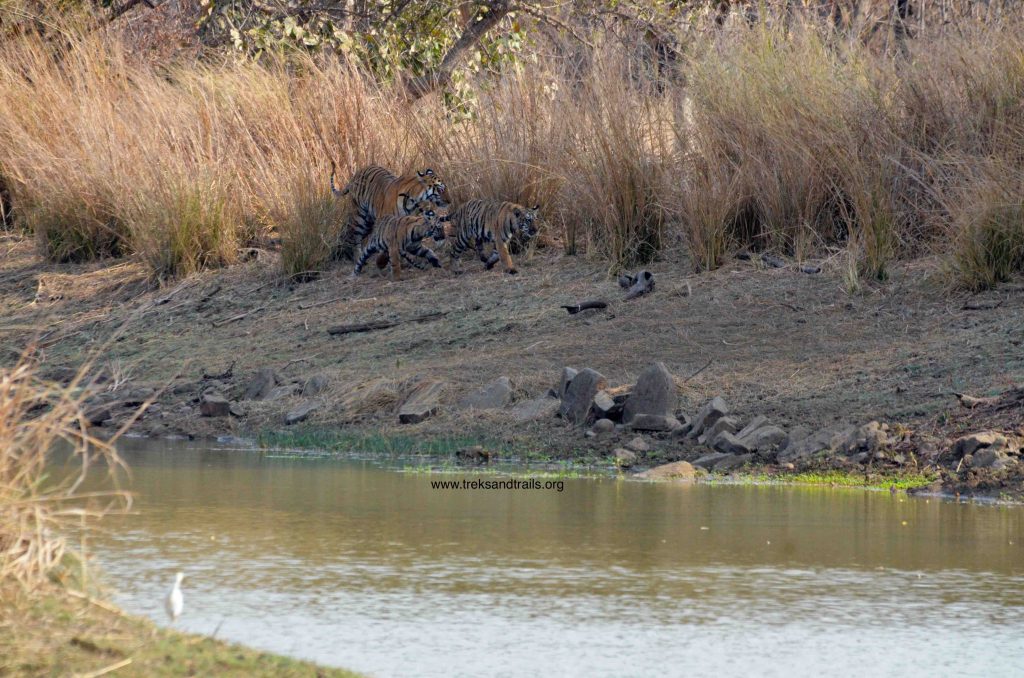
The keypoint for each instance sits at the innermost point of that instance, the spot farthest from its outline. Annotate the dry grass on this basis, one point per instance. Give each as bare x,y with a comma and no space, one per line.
789,138
38,419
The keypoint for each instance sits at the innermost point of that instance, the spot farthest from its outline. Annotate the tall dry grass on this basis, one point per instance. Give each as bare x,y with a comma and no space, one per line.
39,509
792,138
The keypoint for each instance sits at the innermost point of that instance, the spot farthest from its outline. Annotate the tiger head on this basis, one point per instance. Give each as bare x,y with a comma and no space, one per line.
431,217
435,187
526,218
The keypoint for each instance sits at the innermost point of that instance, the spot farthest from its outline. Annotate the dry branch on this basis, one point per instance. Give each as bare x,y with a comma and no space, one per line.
381,324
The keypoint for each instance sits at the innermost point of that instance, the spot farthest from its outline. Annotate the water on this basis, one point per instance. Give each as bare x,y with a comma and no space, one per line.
350,564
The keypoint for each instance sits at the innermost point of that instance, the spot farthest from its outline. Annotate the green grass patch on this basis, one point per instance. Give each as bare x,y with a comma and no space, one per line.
838,478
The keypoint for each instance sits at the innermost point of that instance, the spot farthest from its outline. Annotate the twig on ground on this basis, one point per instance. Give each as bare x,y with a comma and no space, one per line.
381,324
706,365
104,671
219,323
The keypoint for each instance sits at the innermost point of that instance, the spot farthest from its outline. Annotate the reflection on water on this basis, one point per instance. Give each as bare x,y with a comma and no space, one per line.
352,565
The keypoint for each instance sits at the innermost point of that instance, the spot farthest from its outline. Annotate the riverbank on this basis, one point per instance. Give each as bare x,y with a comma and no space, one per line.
800,349
50,632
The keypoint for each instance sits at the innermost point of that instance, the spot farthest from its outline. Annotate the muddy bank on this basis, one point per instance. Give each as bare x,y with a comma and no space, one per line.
242,352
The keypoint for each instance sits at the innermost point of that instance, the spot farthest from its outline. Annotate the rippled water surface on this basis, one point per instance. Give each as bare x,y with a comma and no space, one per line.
351,564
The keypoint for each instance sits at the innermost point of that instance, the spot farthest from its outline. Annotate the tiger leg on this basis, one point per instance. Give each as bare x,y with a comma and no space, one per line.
396,262
412,262
368,252
423,252
502,248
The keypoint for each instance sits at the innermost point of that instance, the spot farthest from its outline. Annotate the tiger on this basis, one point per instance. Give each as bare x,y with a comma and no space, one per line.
481,221
375,192
395,236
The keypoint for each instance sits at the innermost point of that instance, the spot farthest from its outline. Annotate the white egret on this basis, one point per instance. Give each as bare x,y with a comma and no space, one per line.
175,601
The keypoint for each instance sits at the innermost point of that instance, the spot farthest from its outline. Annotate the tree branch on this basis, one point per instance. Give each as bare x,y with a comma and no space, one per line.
471,35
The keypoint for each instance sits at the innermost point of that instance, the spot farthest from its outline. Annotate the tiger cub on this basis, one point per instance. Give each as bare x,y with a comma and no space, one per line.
396,236
375,192
481,221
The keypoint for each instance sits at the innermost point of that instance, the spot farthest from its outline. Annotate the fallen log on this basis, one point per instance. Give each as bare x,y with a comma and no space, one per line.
381,324
573,309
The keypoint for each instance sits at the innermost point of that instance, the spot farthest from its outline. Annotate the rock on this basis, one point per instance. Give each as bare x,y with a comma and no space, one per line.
97,415
236,410
724,424
733,461
260,384
475,454
493,396
654,394
801,446
712,411
301,413
286,391
624,458
604,426
709,460
531,410
729,444
969,444
421,403
315,385
755,423
867,438
214,405
580,394
765,439
603,404
568,374
990,457
638,444
654,422
137,396
678,470
589,434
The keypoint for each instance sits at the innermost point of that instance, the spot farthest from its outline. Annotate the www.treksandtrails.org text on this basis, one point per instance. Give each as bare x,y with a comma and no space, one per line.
507,484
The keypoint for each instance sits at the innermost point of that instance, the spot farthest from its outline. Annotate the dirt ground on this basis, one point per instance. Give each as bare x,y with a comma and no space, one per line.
798,348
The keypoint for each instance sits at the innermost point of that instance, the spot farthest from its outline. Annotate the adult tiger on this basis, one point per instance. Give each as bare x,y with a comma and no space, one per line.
476,222
375,192
398,235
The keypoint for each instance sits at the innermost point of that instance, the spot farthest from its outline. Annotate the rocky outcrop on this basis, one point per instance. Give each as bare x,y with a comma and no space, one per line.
544,407
214,405
654,394
493,396
261,384
315,385
579,395
301,413
712,411
679,470
422,402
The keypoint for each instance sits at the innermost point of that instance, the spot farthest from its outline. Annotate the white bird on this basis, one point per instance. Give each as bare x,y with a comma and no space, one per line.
175,602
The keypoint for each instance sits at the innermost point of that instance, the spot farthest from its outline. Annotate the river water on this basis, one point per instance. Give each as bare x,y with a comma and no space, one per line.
353,564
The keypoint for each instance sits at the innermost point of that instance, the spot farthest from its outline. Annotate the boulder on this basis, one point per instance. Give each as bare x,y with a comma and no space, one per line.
98,414
765,439
236,410
286,391
301,413
568,374
870,437
970,444
755,423
724,424
678,470
654,394
708,461
602,406
422,402
493,396
214,405
579,395
728,443
531,410
989,457
804,445
261,384
624,458
638,444
712,411
654,422
315,385
604,426
733,461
